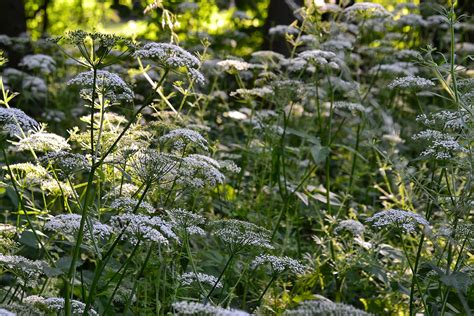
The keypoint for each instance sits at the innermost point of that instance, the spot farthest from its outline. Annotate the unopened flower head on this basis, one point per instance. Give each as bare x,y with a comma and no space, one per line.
69,224
279,264
108,84
408,221
189,278
411,82
39,63
15,122
183,137
354,227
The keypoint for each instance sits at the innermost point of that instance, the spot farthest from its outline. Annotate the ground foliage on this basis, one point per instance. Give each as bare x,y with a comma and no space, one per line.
160,178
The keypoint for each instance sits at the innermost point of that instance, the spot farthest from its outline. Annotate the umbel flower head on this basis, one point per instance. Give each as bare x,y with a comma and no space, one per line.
151,166
279,264
68,225
182,137
195,308
365,10
187,222
325,307
128,205
137,227
40,63
168,56
407,221
108,84
197,171
440,145
239,234
55,305
189,278
354,227
15,122
66,162
42,141
411,82
23,267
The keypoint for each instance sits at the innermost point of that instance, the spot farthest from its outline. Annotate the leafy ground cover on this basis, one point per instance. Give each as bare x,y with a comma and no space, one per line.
153,178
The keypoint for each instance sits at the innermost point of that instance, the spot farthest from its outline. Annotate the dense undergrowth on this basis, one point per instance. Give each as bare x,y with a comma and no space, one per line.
333,181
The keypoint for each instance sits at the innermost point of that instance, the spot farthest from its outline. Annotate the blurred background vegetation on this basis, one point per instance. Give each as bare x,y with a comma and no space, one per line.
236,25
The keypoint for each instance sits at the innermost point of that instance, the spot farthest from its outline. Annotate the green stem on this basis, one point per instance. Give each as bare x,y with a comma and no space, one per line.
219,278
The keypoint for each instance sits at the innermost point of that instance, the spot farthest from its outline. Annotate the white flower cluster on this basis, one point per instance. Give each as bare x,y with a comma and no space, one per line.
23,267
441,145
325,307
396,69
56,305
67,163
137,227
266,56
150,166
233,65
413,20
356,228
262,92
128,205
195,308
42,142
15,122
279,264
447,119
229,165
337,45
108,84
364,10
408,221
126,190
198,171
4,312
411,82
40,63
68,225
320,58
182,137
168,55
239,234
183,220
191,277
351,106
36,87
282,30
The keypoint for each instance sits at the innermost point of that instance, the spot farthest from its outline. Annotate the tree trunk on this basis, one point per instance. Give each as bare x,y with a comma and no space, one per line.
279,13
12,23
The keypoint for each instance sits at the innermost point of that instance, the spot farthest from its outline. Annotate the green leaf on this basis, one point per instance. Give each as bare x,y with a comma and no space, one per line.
319,153
28,238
